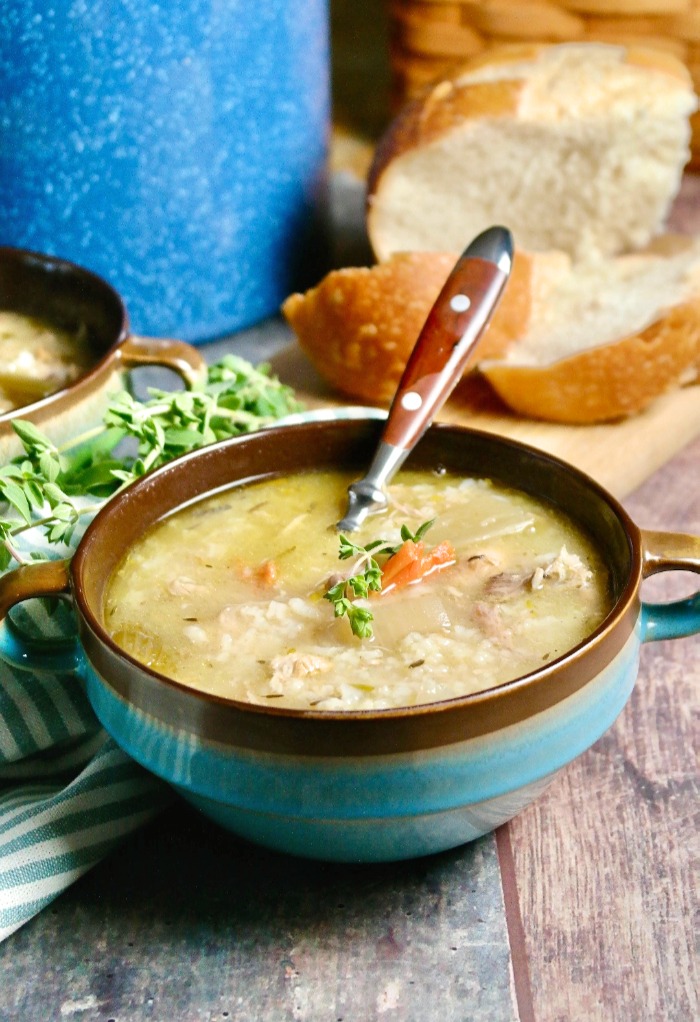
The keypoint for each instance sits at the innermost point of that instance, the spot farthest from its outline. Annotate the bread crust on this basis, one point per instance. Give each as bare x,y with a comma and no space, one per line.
455,106
360,324
446,104
608,381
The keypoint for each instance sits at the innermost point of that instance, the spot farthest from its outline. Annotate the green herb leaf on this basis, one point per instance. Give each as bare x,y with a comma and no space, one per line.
37,489
358,586
30,435
416,536
15,496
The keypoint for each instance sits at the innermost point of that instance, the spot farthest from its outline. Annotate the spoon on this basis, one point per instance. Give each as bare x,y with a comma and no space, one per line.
445,344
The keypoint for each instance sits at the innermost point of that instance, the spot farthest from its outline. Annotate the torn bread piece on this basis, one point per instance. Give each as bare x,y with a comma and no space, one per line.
577,147
613,335
360,324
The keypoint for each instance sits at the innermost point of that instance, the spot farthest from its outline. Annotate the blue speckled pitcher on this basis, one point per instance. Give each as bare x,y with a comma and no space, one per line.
177,149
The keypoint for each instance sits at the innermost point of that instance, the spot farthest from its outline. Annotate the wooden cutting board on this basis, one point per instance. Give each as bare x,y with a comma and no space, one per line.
618,455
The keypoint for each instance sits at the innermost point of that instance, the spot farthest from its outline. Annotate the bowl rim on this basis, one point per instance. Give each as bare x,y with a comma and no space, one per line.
579,665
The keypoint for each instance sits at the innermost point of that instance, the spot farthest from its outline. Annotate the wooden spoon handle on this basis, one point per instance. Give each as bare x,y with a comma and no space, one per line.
446,342
450,335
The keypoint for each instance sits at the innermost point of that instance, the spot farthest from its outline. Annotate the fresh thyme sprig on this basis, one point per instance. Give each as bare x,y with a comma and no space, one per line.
367,577
236,398
414,537
55,490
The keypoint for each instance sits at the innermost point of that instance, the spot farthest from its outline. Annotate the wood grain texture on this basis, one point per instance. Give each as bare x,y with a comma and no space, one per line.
188,924
606,862
444,347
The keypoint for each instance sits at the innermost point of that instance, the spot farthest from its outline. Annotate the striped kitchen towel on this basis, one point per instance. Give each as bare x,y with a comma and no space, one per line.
68,794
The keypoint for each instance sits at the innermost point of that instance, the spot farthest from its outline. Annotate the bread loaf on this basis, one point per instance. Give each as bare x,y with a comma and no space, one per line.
579,149
570,342
576,147
359,325
611,336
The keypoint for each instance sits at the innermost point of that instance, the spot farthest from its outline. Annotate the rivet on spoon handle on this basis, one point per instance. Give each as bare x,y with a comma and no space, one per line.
441,354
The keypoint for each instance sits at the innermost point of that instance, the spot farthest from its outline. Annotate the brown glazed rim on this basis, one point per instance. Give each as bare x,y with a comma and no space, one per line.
24,263
312,732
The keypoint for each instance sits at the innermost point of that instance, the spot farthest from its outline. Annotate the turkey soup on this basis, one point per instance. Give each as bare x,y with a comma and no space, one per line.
461,585
38,358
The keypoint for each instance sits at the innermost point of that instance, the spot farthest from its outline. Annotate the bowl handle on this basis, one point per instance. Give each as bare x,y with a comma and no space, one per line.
670,551
179,356
40,578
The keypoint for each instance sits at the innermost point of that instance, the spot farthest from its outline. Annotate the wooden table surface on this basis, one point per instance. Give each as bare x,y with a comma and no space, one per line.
604,866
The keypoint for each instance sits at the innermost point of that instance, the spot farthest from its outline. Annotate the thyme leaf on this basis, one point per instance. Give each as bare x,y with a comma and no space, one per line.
366,578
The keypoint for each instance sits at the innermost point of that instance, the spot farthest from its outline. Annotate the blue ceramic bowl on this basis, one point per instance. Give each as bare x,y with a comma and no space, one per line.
370,785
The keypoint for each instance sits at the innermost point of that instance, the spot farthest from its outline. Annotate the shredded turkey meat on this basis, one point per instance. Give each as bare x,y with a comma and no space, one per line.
183,586
292,666
565,567
489,618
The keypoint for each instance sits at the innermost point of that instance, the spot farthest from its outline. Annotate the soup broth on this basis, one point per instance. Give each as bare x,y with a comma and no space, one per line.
37,359
227,595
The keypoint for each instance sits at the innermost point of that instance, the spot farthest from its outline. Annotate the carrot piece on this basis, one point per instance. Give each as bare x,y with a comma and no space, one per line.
442,555
411,563
266,573
406,560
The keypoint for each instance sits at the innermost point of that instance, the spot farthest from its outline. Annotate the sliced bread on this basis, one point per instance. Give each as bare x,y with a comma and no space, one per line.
576,147
612,336
359,325
570,342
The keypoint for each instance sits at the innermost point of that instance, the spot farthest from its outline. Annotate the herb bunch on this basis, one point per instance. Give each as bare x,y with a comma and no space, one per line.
366,578
55,490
